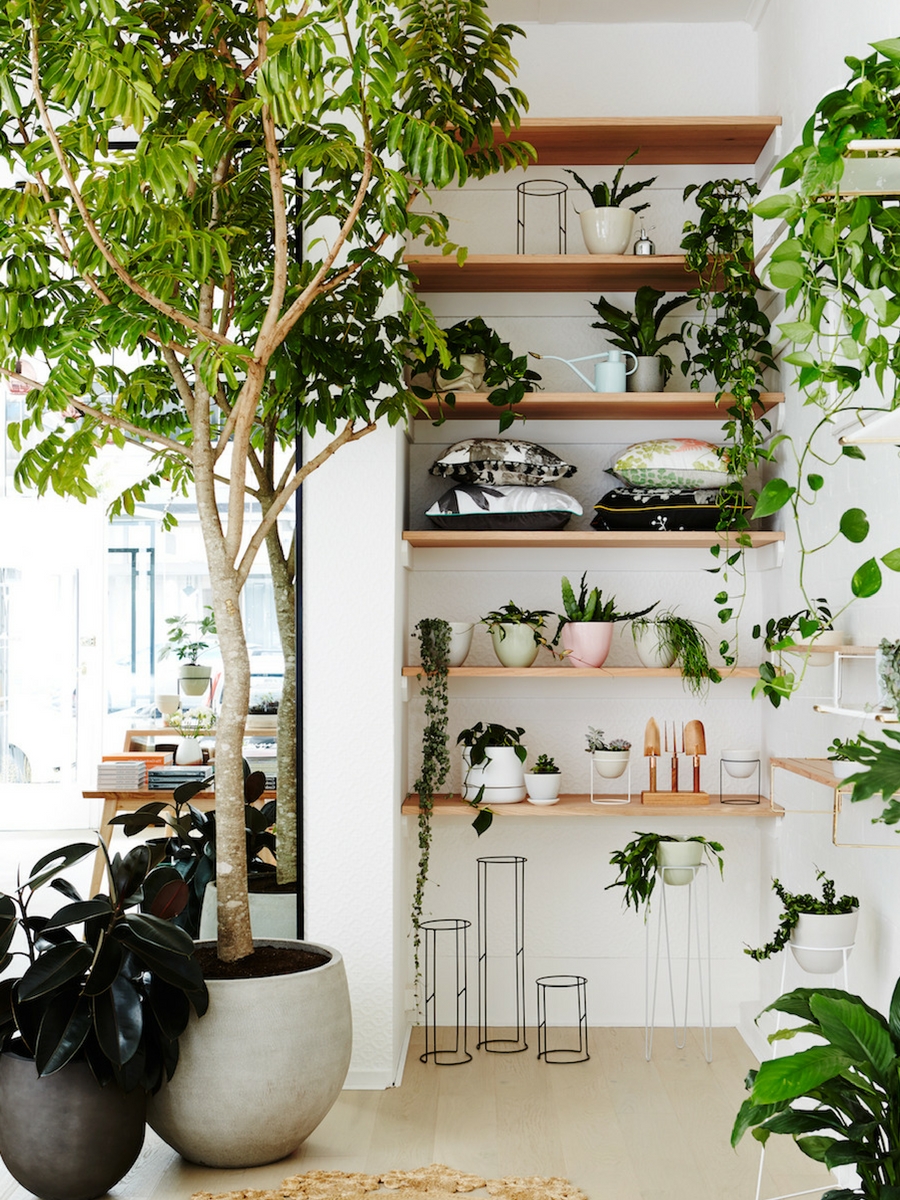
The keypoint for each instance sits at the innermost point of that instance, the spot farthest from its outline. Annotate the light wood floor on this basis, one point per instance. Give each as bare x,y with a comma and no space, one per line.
617,1126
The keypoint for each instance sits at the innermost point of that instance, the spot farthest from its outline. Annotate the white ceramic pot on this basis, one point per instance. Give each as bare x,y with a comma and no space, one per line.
648,375
502,775
460,642
611,764
259,1072
819,933
740,764
827,637
194,678
543,788
676,860
650,650
189,752
841,768
273,915
472,375
514,645
606,230
587,641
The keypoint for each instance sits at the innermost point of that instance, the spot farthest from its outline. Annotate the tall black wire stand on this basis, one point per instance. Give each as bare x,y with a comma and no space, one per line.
447,1055
487,866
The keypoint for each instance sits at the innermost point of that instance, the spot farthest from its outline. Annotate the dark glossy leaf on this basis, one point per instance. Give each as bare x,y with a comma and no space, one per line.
796,1074
172,968
867,580
9,923
58,860
81,910
107,964
170,900
170,1007
854,525
101,1067
53,969
118,1020
254,786
146,817
63,885
163,935
130,872
188,791
63,1030
483,821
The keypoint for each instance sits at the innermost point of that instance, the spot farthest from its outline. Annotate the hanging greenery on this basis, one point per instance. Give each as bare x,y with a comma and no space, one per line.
434,643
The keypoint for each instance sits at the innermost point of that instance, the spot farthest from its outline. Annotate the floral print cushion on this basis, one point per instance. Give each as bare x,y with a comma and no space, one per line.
501,461
672,462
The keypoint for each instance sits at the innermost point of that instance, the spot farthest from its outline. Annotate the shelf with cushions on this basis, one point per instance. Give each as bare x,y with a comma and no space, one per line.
583,539
550,272
594,406
567,672
580,806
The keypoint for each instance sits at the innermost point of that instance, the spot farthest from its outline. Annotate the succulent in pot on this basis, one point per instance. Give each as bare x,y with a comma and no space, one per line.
643,861
543,781
639,334
610,755
819,930
607,225
517,633
586,627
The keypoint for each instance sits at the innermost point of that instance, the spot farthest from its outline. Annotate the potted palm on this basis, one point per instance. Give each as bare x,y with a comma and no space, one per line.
606,226
586,628
819,930
639,333
516,633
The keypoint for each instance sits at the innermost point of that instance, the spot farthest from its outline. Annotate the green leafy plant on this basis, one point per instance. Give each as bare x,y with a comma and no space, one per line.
185,645
795,906
479,739
845,749
265,704
889,670
511,614
507,376
776,681
110,980
879,772
434,646
590,605
681,637
545,766
638,865
639,332
605,195
838,1099
597,740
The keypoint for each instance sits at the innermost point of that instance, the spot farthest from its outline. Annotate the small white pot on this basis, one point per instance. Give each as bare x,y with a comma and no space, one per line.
194,679
841,768
460,642
651,649
610,763
472,375
514,645
675,860
189,752
543,788
740,764
819,932
606,230
261,723
502,775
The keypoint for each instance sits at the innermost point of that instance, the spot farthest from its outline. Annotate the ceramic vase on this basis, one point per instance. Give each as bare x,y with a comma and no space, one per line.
611,764
543,788
676,861
189,752
648,375
652,649
588,642
460,642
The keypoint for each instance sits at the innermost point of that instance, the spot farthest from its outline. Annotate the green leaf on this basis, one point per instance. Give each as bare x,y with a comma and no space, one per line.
774,496
853,452
797,1074
892,560
853,1029
816,482
854,525
890,48
774,206
867,580
62,1032
54,968
82,910
58,860
118,1021
483,821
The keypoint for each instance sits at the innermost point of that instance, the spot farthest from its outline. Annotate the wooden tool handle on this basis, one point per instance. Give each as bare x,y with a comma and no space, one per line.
696,772
674,772
652,773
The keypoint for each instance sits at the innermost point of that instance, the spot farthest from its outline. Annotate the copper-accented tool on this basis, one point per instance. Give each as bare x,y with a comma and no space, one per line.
695,744
674,758
651,749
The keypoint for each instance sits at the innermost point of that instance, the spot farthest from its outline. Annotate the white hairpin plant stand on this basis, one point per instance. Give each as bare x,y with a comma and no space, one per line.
844,952
696,947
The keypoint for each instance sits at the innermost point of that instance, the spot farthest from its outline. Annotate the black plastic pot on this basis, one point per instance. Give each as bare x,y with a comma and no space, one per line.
64,1137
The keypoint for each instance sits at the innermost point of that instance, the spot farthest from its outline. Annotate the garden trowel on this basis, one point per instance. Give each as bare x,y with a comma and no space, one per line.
694,743
651,749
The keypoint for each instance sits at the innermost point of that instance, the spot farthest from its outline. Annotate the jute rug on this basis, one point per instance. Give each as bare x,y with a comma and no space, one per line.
425,1183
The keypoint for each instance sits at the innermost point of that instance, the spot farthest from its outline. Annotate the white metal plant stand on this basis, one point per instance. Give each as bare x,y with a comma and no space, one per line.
694,947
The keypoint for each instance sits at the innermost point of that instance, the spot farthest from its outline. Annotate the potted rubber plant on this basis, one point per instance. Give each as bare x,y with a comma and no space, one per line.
666,639
586,627
517,633
651,856
543,780
91,1024
819,929
639,332
607,225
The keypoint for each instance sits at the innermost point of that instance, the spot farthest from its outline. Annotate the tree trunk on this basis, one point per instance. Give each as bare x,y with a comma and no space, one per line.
286,801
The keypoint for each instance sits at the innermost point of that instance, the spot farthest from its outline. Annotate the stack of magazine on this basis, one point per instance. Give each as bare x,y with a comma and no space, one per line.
168,778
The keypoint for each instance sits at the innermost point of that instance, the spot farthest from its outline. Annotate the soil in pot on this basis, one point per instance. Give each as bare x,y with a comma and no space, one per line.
265,960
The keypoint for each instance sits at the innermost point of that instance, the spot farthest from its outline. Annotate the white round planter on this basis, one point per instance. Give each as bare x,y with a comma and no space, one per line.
259,1072
472,375
740,764
841,768
194,679
543,788
514,645
815,935
611,764
503,776
460,642
650,649
676,860
819,657
606,230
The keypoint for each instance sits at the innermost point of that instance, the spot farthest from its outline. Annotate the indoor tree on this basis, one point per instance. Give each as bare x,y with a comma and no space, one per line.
164,159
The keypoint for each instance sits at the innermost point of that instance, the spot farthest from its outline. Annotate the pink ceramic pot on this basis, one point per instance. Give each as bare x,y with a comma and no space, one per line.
587,641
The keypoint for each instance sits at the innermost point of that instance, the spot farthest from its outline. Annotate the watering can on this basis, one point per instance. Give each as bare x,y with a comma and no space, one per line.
609,371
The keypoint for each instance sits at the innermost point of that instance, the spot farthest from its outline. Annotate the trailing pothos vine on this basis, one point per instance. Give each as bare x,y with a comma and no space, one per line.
731,347
434,642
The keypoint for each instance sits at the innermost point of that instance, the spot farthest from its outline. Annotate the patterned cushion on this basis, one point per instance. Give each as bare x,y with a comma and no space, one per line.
478,506
657,508
500,461
672,462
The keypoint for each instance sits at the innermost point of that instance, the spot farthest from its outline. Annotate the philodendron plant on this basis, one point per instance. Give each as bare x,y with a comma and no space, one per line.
637,864
795,905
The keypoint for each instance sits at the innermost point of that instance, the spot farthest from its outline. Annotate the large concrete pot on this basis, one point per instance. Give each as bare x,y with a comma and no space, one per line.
64,1137
261,1070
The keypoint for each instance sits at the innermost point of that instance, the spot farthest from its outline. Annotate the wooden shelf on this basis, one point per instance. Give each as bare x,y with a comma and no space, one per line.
570,141
817,769
567,672
550,272
594,406
581,806
579,539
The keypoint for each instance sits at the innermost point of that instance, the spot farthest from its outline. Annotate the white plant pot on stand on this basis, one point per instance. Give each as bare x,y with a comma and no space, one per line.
822,942
610,764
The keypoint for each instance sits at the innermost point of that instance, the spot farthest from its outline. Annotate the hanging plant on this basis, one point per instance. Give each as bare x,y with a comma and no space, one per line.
434,644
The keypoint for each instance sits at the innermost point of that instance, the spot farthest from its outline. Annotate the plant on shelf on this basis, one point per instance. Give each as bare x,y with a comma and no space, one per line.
597,741
545,765
638,865
265,704
187,639
478,741
838,1099
505,375
639,332
879,772
776,681
606,195
675,640
888,663
586,628
590,605
795,906
523,630
434,645
543,781
846,749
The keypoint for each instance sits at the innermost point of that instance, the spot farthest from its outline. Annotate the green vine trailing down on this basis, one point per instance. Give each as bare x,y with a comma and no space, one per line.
434,643
839,267
795,906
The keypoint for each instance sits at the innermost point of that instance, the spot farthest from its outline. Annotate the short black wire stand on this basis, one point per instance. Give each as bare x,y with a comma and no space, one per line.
562,1054
510,870
457,1054
545,189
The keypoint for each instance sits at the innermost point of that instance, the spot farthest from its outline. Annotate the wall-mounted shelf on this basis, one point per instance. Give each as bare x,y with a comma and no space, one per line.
819,770
593,406
884,716
581,806
567,672
571,141
550,272
581,539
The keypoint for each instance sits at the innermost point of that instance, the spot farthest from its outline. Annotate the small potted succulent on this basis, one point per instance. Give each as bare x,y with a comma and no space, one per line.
652,855
586,627
639,334
843,754
606,226
493,758
610,755
516,633
818,930
543,781
187,640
